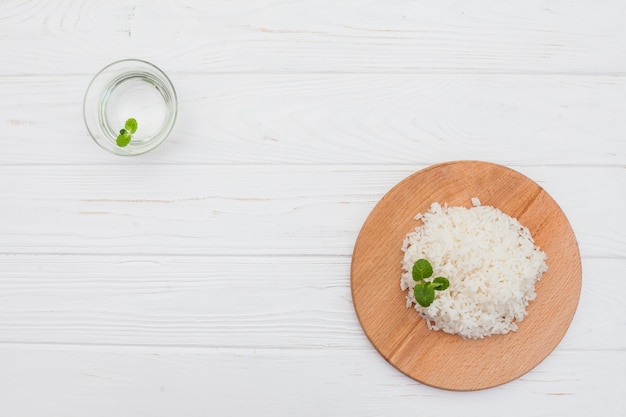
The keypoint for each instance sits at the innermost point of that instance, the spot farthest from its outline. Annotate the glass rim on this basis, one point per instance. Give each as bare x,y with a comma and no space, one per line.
92,104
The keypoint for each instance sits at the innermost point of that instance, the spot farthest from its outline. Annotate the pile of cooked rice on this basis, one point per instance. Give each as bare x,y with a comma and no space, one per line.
490,260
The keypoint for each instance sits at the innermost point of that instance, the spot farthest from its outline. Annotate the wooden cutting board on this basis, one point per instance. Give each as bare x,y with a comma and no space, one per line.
440,359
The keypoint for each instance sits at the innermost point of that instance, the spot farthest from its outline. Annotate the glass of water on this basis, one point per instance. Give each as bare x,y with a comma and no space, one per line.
125,89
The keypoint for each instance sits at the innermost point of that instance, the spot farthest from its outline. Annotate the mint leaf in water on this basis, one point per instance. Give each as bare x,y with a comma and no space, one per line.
123,138
131,125
126,134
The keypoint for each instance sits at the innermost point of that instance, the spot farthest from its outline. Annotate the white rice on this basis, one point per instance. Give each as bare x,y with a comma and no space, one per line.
490,260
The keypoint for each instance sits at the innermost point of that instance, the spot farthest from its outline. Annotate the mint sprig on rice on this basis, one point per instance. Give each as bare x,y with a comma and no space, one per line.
424,291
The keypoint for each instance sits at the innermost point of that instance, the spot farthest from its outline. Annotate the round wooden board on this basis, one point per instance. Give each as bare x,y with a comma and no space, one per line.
443,360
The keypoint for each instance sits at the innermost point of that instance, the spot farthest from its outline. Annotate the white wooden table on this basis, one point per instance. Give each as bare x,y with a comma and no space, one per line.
211,276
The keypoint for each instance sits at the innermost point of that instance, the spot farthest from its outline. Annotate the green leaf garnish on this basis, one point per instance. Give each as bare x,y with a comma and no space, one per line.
424,291
422,269
131,125
126,134
123,138
441,283
424,294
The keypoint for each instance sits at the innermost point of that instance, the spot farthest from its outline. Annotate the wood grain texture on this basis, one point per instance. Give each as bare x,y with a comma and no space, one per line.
287,302
135,301
168,284
540,36
440,359
225,210
161,382
339,119
247,302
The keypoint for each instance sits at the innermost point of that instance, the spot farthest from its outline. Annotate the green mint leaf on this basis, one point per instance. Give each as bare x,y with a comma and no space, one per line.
131,125
424,294
123,139
441,283
422,269
126,134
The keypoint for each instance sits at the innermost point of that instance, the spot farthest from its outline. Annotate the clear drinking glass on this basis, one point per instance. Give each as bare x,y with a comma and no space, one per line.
130,88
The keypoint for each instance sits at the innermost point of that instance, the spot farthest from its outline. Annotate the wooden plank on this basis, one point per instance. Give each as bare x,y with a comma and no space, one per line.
298,36
338,119
297,302
248,210
105,381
